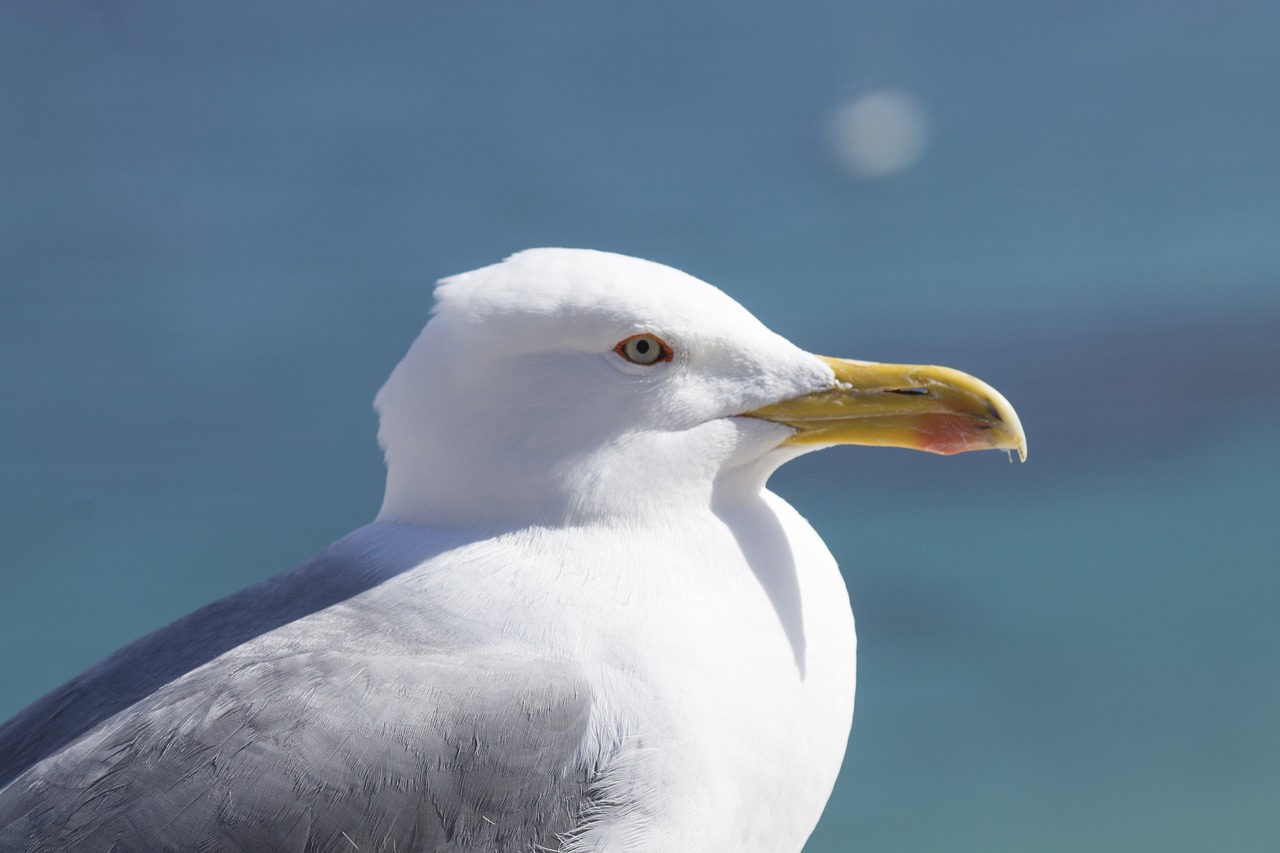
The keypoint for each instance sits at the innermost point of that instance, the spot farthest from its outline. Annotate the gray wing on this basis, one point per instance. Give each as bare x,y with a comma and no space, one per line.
309,713
351,566
318,751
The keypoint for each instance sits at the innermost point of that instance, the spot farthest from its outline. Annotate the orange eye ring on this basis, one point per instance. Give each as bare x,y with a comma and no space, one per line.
644,349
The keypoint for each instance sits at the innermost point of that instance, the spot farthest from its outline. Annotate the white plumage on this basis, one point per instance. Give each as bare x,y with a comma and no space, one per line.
579,622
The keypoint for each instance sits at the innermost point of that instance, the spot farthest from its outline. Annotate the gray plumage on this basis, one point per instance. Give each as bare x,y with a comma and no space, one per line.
291,717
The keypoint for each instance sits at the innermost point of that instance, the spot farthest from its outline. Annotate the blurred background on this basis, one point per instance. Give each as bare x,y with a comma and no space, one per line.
220,222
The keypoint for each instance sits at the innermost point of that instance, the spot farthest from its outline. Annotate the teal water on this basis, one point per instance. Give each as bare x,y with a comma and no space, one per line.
219,223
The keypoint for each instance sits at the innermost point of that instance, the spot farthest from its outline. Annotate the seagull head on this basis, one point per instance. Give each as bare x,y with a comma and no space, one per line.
567,386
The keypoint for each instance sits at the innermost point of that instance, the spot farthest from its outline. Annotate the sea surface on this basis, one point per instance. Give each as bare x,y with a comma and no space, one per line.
220,222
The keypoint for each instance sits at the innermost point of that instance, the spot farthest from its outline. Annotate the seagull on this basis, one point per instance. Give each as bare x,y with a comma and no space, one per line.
580,622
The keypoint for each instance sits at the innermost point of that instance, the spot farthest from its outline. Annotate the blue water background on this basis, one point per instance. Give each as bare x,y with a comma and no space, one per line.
219,223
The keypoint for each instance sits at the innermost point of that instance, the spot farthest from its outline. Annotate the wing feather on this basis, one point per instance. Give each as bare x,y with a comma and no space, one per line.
302,715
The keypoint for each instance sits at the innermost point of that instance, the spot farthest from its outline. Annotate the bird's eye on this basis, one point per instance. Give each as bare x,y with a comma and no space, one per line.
644,349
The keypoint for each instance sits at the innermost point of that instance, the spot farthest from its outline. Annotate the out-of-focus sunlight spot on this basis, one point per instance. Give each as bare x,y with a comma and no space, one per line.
879,134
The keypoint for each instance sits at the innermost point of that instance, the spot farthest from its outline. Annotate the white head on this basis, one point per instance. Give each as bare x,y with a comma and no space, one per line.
516,404
563,386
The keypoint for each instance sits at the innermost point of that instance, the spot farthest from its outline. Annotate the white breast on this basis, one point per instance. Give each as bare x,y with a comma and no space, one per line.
728,688
721,653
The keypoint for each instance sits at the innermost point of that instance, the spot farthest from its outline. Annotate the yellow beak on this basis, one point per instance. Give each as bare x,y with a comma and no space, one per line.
936,409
